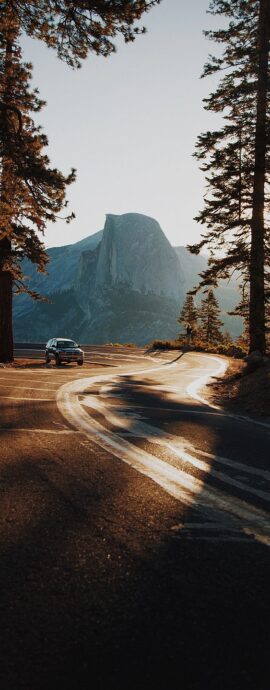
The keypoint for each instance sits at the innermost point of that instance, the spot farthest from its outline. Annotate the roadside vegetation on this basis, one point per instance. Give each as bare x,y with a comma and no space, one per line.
230,349
237,392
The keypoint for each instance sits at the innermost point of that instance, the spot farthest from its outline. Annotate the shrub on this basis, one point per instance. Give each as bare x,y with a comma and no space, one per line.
198,345
165,345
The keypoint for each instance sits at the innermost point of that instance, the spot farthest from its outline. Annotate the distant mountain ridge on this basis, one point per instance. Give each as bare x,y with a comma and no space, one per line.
125,283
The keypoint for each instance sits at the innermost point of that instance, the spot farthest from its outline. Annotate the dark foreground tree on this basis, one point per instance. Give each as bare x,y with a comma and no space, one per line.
242,310
75,28
211,324
236,158
31,192
188,314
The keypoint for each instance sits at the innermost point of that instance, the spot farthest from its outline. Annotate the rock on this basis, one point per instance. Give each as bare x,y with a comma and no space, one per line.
125,283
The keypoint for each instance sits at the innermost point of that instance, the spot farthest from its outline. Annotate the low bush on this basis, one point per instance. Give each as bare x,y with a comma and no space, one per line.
165,345
228,349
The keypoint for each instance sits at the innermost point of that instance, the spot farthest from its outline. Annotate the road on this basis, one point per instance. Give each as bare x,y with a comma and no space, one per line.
135,528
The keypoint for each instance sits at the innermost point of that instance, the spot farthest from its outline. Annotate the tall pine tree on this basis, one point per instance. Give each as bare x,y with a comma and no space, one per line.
211,324
31,192
188,314
236,158
75,28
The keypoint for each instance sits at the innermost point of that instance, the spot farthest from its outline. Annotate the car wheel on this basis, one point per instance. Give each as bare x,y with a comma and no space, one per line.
57,361
80,362
47,358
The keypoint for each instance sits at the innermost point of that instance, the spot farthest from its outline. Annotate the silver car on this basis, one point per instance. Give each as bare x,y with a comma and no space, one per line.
63,350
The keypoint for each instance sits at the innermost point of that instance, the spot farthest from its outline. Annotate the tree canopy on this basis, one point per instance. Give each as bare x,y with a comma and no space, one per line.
75,28
31,191
236,158
209,314
189,313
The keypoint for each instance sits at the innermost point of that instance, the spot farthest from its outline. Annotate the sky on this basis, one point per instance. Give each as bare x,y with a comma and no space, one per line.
129,123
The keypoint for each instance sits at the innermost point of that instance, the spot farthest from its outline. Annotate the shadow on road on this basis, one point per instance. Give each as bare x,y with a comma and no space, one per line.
99,585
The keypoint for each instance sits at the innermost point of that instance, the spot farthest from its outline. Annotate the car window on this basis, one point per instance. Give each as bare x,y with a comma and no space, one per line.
66,343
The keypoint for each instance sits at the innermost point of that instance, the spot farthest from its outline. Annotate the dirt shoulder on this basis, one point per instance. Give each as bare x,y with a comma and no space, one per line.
241,392
25,363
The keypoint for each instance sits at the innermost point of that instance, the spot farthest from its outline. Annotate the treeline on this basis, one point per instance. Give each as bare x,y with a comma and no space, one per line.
236,160
202,322
202,327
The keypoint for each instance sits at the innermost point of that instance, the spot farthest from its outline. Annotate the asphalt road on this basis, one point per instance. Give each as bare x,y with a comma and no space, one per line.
135,528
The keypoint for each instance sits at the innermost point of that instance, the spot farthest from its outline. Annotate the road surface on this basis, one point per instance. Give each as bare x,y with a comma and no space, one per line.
135,528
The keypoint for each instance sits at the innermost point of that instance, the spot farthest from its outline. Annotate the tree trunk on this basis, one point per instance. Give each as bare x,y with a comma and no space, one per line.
257,257
6,277
6,331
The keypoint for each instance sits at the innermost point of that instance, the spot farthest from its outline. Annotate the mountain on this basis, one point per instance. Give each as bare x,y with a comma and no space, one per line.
125,283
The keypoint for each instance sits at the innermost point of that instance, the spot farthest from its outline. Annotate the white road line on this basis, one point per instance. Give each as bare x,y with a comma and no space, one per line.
10,397
163,439
7,378
176,410
202,381
219,532
192,392
177,483
233,464
26,388
54,432
150,431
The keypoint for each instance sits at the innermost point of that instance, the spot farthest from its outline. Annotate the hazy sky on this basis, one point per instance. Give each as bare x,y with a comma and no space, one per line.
129,123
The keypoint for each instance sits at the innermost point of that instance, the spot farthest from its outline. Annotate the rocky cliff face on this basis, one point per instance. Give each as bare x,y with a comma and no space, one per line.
133,255
123,284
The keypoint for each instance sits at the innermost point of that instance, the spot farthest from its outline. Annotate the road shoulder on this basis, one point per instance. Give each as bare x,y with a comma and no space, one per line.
240,393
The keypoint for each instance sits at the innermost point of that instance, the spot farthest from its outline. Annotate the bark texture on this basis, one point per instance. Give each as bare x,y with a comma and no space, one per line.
6,282
257,255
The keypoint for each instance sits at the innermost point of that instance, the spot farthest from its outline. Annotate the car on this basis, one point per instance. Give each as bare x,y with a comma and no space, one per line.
63,350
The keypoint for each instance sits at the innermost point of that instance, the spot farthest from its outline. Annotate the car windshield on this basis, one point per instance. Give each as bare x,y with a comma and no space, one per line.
66,343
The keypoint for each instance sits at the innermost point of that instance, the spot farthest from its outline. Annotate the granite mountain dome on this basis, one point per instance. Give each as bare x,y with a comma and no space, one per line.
125,284
133,254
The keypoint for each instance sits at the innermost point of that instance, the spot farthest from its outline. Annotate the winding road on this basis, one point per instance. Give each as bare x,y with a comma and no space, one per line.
135,527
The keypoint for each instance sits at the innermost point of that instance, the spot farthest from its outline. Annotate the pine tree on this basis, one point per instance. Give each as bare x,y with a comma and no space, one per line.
31,193
75,28
226,338
209,317
242,310
188,314
236,158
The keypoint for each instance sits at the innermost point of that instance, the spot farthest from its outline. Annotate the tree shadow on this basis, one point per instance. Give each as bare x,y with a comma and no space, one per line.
101,584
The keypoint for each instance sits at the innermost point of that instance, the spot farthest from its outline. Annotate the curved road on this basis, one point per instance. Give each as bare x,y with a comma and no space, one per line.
135,527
